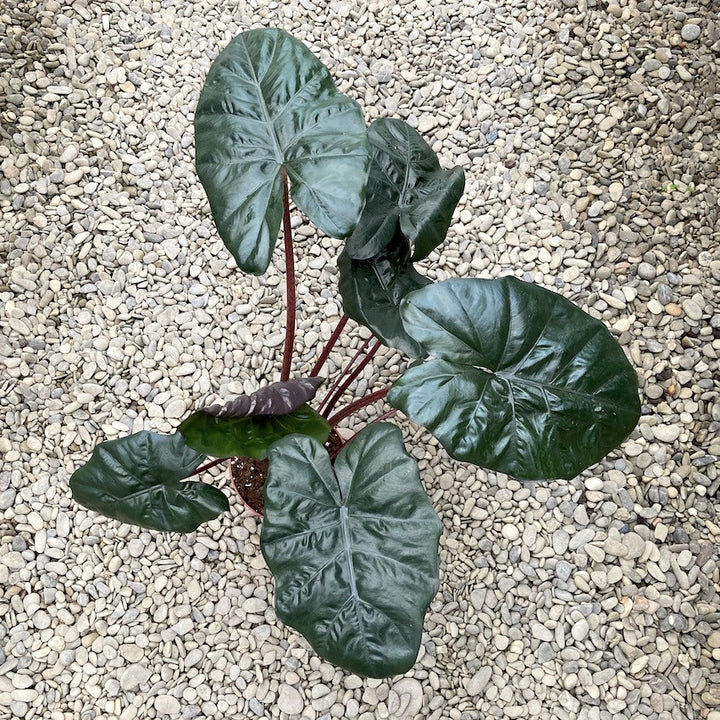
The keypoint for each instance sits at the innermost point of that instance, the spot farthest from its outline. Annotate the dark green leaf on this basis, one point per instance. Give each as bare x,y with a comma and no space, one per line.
267,104
406,188
137,479
353,550
521,381
276,399
372,290
250,436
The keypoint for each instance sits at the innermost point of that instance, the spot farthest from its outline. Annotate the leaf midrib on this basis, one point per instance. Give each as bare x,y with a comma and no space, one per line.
261,101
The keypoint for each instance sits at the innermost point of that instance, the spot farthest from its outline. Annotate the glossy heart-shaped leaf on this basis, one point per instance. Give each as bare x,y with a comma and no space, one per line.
269,106
372,290
353,548
520,380
406,188
277,398
250,436
137,480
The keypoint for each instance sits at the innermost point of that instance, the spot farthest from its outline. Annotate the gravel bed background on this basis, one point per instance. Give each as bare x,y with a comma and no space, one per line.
589,132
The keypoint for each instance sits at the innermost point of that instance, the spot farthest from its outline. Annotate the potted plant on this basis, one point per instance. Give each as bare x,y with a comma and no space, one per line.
505,374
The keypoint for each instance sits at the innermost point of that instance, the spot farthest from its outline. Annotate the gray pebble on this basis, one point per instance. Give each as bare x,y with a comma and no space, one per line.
256,707
690,32
646,271
664,293
7,498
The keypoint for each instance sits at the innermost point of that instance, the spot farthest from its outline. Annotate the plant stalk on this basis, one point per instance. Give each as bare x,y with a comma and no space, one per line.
205,467
330,345
357,405
339,392
289,283
379,418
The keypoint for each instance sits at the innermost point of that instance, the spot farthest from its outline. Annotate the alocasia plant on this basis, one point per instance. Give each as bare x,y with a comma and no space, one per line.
505,374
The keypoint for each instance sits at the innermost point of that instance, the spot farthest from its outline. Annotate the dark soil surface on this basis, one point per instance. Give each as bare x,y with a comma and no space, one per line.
248,475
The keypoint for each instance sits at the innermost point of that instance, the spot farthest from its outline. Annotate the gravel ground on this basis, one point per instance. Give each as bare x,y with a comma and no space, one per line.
590,135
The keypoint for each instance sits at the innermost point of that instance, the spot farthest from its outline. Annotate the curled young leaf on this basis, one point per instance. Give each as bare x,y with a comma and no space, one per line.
353,548
269,105
520,380
278,398
406,189
137,480
372,290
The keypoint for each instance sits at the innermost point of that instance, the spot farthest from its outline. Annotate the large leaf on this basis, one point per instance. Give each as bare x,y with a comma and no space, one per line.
269,104
372,290
521,380
353,548
250,436
137,479
277,398
406,188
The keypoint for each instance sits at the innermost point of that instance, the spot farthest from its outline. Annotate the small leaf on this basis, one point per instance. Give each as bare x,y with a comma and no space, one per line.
353,549
269,105
250,436
521,380
137,480
406,189
276,399
372,290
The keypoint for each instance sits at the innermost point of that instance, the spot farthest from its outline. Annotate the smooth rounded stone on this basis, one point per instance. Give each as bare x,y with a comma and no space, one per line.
69,154
596,208
479,681
560,540
510,532
692,309
635,545
714,639
540,632
666,433
13,560
184,626
133,677
290,700
256,707
690,32
405,699
582,537
594,484
175,409
563,570
136,548
646,271
7,498
167,705
615,548
580,629
664,293
616,190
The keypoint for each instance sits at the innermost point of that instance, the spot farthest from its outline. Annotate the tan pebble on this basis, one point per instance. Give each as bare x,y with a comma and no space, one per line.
673,309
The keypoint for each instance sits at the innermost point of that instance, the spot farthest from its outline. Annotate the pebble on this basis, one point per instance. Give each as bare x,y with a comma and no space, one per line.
405,699
133,677
692,309
690,32
666,433
290,701
580,629
167,705
479,681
